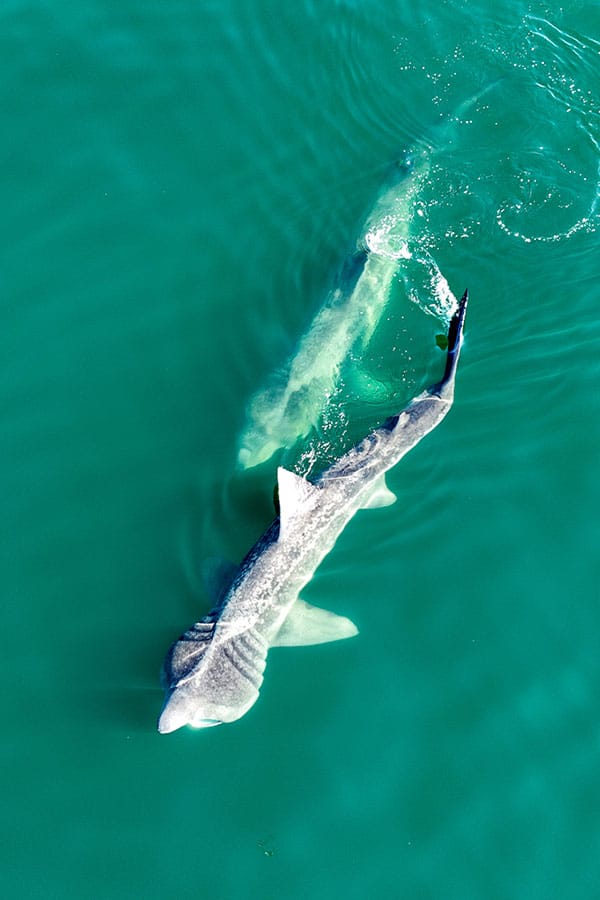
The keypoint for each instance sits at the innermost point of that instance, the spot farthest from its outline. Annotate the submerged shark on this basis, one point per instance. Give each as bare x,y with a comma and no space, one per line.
213,673
290,404
293,400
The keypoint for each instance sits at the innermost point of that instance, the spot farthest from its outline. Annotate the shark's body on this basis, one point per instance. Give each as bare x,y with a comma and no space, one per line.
213,673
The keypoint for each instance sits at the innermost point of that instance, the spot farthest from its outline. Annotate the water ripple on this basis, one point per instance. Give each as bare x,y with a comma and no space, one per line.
555,174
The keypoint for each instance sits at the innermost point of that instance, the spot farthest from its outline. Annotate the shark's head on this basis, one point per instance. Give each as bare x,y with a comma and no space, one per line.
405,163
212,695
416,162
208,679
181,709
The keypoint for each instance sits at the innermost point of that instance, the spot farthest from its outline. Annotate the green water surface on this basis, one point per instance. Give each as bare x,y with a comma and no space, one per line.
180,182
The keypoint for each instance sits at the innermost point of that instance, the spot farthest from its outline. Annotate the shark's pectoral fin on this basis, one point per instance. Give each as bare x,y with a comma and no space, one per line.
306,624
295,494
380,495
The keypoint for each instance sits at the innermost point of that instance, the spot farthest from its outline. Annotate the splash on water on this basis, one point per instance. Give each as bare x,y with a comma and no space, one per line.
383,240
427,287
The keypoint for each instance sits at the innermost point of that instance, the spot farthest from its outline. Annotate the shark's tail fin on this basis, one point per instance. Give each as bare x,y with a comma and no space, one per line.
445,387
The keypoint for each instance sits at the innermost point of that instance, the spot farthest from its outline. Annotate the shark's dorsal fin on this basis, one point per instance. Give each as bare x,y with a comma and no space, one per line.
306,624
380,496
295,493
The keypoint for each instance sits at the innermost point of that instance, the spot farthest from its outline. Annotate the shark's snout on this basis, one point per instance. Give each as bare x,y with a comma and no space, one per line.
178,712
166,724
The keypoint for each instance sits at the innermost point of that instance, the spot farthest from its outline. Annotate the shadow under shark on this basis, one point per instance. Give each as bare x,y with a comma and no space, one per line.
213,673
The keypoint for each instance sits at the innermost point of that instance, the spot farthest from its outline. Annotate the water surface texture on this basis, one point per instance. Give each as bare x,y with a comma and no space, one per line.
181,183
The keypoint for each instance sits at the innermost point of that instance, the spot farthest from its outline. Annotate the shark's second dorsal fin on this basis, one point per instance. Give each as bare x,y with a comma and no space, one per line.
295,494
306,624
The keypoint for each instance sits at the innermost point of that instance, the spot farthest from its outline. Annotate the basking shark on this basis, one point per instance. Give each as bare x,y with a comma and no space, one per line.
212,674
293,400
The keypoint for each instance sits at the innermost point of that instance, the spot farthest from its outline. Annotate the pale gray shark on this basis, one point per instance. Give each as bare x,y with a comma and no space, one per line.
213,673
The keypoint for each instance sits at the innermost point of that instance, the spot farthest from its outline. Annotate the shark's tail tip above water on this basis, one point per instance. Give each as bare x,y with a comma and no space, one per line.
445,388
455,330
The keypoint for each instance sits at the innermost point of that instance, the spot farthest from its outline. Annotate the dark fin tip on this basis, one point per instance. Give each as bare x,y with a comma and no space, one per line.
455,331
456,323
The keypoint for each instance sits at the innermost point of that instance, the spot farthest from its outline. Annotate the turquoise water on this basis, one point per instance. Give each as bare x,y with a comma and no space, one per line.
181,182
